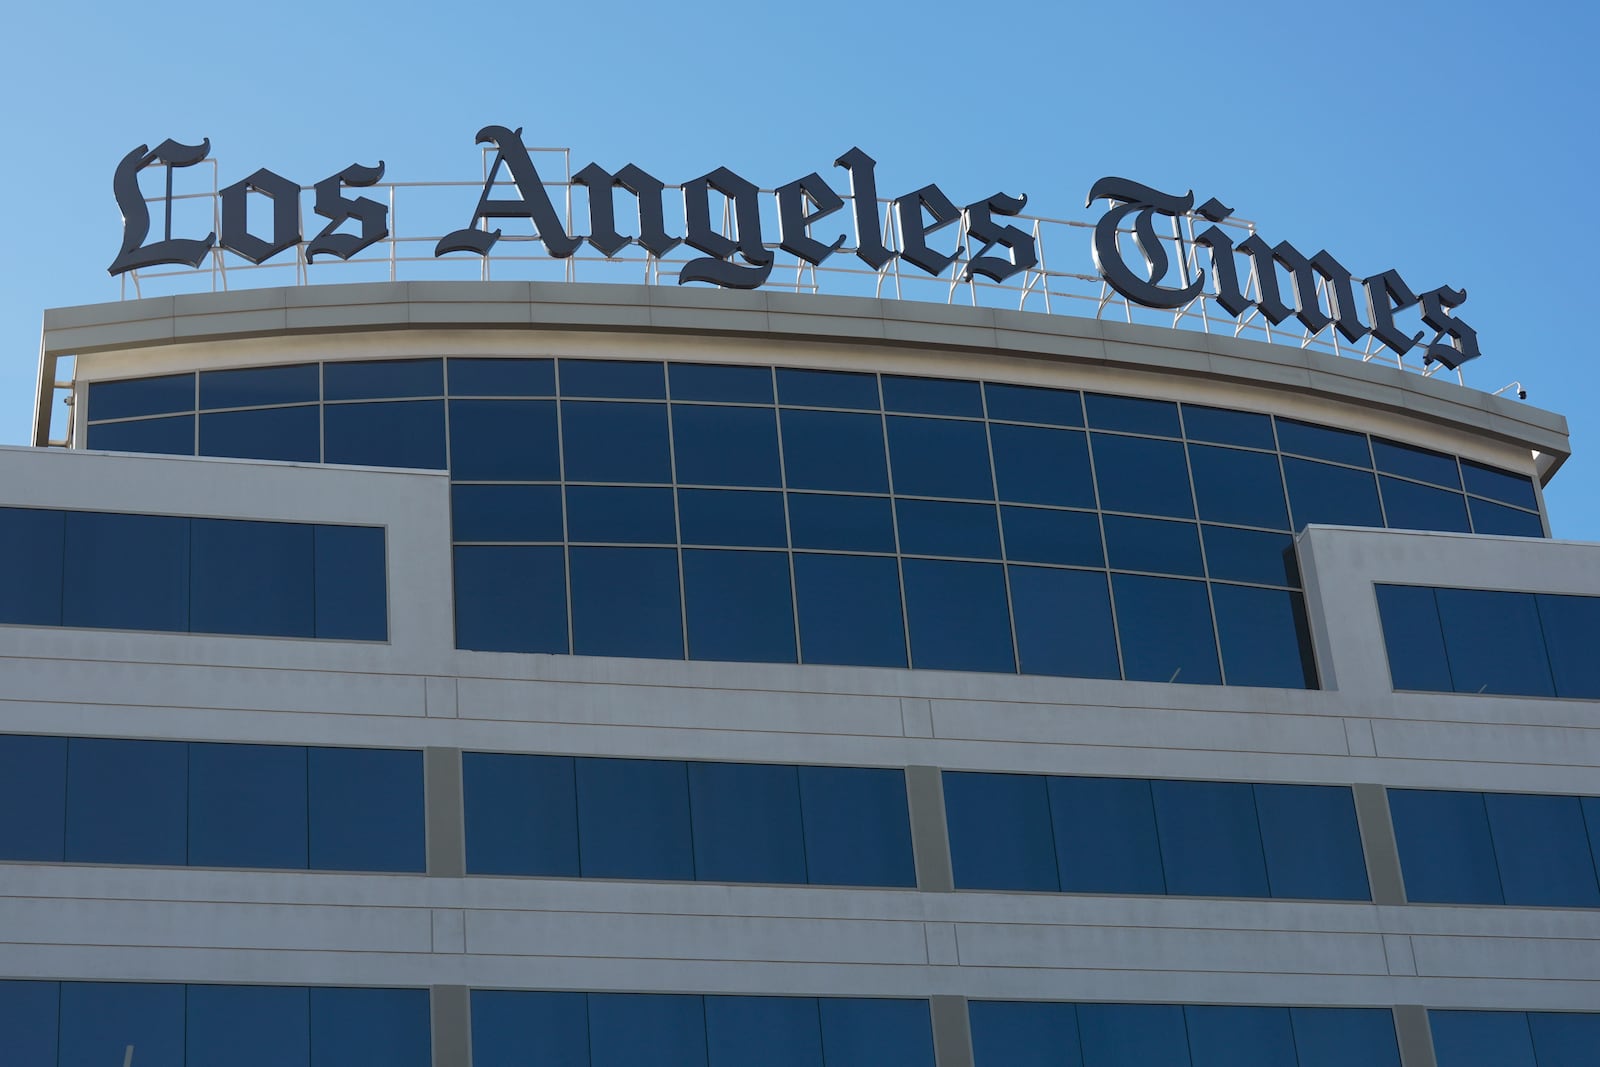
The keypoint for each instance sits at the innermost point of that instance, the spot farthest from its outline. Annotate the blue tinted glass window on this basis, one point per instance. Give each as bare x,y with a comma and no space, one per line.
406,433
1591,817
1210,840
1339,496
745,821
1223,427
1571,626
1240,487
1481,1039
834,450
1494,641
1264,637
1033,465
376,1026
127,801
99,1020
1063,622
502,377
1164,626
702,381
504,440
1420,464
1017,1034
1411,634
513,1029
1044,535
633,819
1132,1035
168,437
381,379
30,1014
940,457
1446,853
613,378
1024,856
827,389
1312,842
1026,403
293,435
365,809
630,1029
141,396
506,512
872,1033
1236,555
1500,485
259,386
1153,545
732,517
725,445
33,800
1105,835
958,616
941,528
521,814
251,578
247,1026
1541,847
609,513
857,826
1323,442
511,599
1492,518
849,610
625,602
1239,1037
1143,476
1410,506
351,583
1339,1037
247,806
34,538
1131,414
770,1031
848,523
616,442
1565,1039
739,606
932,396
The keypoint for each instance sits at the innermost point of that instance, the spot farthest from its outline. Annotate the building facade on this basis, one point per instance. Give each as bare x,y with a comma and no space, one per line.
503,673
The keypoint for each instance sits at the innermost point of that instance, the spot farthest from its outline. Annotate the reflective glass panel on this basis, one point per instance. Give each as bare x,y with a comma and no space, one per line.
1132,414
834,450
616,442
1339,1037
1446,852
932,396
942,528
1019,1034
827,389
521,814
1045,535
34,538
633,819
251,578
1164,625
1410,506
1491,518
247,806
1323,442
1237,555
1223,427
745,822
614,379
1312,842
141,396
30,1014
1023,857
1210,839
872,1033
632,1029
1239,1037
247,1026
1419,464
739,606
1338,496
292,435
847,523
501,377
1132,1035
514,1029
365,807
725,445
1153,545
506,512
99,1020
1142,476
1105,835
1481,1039
1063,622
957,615
1565,1039
407,433
1264,637
33,801
625,602
1500,485
608,513
370,1026
764,1031
1034,465
1571,627
1495,642
504,440
259,386
127,801
857,826
1026,403
940,457
351,582
849,610
1410,616
126,572
1541,847
167,437
732,517
702,381
379,379
1234,486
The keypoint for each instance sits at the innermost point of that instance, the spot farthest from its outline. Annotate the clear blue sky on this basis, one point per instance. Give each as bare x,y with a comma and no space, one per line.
1453,142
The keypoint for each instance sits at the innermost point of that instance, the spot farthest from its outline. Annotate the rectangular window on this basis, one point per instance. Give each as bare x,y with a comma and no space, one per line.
745,820
247,806
366,809
141,396
33,798
1446,851
127,801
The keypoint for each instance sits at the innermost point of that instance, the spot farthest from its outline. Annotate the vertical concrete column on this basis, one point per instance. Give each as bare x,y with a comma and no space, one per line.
1377,841
450,1016
1416,1039
952,1032
930,838
446,825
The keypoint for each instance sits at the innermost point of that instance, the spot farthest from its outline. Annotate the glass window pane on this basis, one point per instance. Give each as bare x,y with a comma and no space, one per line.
127,801
1312,842
1250,556
1132,414
1338,496
1339,1037
251,578
1409,506
375,1026
739,605
857,826
1033,465
365,809
732,517
515,1029
1481,1039
126,572
1497,519
1210,839
834,450
99,1020
1153,545
506,512
847,523
292,435
246,1026
1105,834
1231,485
1504,486
1571,626
1045,535
511,599
745,820
614,379
377,379
30,1013
625,602
1411,633
940,457
485,376
247,806
1133,1035
1142,476
958,616
1063,622
616,442
941,528
1420,464
521,814
764,1031
1591,817
141,396
610,513
166,437
1264,636
406,433
701,381
1495,642
1565,1039
1223,427
36,539
1446,853
504,440
1027,403
725,446
633,819
1019,1034
1239,1037
33,799
849,610
633,1029
1542,850
1164,627
932,396
352,583
872,1033
259,386
1024,856
827,389
1323,442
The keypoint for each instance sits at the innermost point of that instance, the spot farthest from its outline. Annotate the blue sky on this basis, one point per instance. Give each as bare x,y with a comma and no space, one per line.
1454,143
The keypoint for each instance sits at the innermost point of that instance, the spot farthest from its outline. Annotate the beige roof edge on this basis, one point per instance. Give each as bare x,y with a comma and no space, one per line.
759,313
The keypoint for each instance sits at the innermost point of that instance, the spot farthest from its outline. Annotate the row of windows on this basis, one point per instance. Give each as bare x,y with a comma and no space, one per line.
95,1024
1491,641
187,575
1515,1038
